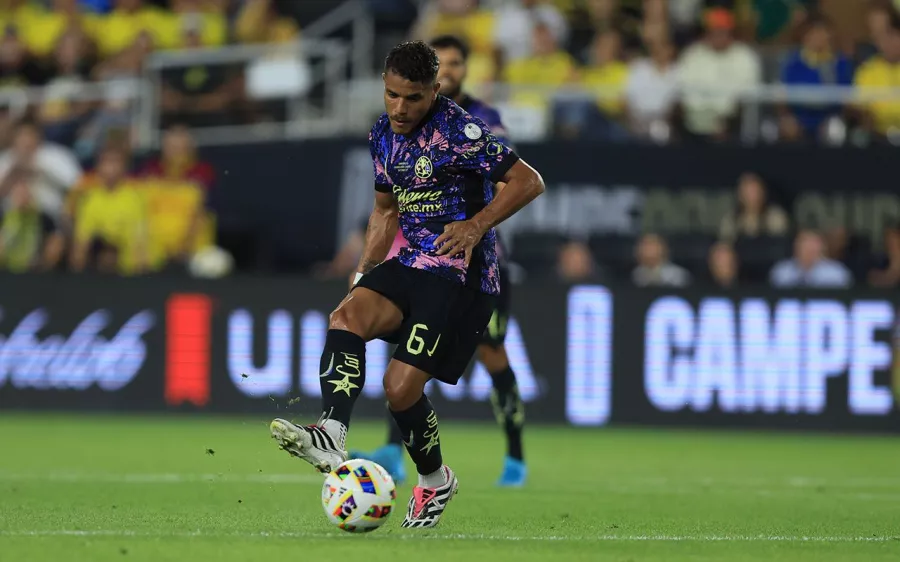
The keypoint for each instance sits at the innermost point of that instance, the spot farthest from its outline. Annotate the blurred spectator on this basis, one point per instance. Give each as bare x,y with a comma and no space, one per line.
654,268
120,28
60,113
601,16
853,251
29,239
816,62
547,68
468,20
712,72
178,188
259,22
199,14
46,28
774,21
54,167
606,73
879,73
754,214
888,272
121,74
111,229
809,267
878,23
201,95
17,68
178,160
575,263
723,265
652,91
515,21
684,19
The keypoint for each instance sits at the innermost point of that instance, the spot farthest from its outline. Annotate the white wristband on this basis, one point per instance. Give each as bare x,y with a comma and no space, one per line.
357,278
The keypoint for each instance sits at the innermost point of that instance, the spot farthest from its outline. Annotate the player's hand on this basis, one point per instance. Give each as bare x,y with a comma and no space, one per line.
459,238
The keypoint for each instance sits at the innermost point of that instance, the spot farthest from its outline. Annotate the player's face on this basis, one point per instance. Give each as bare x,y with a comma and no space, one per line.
452,73
407,103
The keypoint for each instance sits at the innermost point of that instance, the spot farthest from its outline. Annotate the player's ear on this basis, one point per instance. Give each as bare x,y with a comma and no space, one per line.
436,87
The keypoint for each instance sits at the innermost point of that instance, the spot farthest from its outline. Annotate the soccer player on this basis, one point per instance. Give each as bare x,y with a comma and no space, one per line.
434,165
508,406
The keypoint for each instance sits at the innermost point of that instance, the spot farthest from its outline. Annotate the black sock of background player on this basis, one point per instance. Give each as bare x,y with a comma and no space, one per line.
509,409
419,427
395,437
343,374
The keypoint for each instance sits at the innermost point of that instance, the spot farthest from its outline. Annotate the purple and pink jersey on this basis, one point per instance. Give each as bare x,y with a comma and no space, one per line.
442,172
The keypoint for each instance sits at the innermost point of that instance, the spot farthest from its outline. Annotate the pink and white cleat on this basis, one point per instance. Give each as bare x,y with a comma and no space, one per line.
427,505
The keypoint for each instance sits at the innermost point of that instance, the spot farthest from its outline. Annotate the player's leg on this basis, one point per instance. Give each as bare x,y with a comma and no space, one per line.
505,399
389,455
442,336
417,422
509,410
363,315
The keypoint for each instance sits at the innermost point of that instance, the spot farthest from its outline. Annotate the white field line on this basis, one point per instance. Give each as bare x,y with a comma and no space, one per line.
614,483
794,486
454,537
162,478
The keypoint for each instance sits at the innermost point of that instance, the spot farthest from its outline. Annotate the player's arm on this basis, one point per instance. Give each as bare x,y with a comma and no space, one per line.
380,232
522,184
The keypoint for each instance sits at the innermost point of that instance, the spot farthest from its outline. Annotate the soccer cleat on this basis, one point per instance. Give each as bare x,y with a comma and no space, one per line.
390,457
514,473
427,505
310,443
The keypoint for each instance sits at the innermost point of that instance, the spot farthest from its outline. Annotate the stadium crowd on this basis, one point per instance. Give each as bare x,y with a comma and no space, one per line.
649,61
77,197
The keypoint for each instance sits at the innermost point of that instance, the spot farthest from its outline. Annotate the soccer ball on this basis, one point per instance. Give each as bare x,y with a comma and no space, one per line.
358,496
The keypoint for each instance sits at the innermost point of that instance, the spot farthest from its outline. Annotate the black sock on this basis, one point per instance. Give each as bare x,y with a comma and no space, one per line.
343,365
419,427
509,409
395,437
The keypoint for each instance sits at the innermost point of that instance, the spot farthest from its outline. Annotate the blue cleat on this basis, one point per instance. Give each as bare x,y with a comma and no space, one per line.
514,473
390,457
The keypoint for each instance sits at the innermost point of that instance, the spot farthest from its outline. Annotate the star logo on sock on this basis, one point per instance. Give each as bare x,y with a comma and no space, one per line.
343,385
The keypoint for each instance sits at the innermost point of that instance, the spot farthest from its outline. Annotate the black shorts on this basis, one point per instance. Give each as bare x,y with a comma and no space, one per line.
443,321
495,334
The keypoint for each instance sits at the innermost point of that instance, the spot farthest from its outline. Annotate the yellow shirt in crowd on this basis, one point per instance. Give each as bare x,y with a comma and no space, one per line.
545,72
44,29
609,77
117,216
213,29
878,73
171,207
119,29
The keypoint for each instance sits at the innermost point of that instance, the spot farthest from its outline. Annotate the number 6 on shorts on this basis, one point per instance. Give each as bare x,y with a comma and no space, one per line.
415,344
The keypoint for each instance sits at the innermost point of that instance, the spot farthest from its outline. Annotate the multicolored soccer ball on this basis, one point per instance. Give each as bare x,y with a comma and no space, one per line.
358,496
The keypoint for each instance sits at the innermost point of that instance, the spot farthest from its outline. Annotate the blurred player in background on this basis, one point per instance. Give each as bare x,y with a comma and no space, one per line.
434,169
508,406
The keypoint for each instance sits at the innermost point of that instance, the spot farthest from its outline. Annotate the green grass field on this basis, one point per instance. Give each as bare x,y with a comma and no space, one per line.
119,488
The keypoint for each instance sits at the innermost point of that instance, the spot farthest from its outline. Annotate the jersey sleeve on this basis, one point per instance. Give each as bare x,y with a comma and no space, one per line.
495,124
477,149
376,138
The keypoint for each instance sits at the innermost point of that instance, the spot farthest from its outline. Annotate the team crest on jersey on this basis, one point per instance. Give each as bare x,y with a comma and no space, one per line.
424,168
472,131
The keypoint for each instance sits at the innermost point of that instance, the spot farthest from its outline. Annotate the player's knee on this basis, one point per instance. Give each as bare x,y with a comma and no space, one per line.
344,318
402,392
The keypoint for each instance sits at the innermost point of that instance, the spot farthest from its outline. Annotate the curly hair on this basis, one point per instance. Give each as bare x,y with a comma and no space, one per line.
413,60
